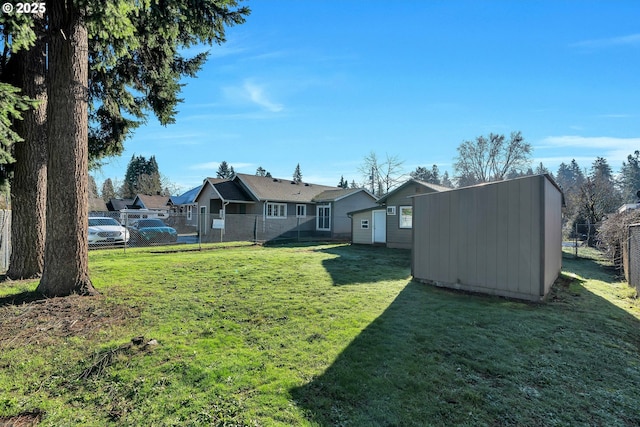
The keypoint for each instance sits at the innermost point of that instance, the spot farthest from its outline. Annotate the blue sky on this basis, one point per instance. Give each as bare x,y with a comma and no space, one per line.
324,83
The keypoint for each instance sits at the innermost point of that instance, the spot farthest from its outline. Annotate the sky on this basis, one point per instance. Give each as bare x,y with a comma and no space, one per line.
323,83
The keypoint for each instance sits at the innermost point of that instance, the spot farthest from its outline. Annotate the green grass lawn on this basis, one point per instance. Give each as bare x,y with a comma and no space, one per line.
326,335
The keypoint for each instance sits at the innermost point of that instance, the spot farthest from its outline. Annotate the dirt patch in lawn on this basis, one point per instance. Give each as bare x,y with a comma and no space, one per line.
28,318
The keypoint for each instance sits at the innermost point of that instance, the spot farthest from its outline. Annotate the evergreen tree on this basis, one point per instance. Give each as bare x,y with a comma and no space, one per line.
93,187
630,178
423,174
142,177
135,66
297,174
343,182
353,184
108,190
224,170
446,182
261,171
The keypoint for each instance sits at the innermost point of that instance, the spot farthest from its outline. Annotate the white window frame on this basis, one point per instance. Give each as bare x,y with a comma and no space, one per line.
364,224
276,210
189,212
301,211
325,227
402,218
391,210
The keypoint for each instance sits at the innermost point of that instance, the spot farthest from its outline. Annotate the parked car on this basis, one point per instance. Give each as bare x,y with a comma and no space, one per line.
106,231
152,230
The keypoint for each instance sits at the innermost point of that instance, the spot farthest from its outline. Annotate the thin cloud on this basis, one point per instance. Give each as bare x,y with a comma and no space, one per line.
628,40
258,96
252,93
605,142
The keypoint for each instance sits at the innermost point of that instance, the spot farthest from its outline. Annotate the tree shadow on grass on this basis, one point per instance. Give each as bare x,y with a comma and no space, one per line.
355,264
25,297
441,357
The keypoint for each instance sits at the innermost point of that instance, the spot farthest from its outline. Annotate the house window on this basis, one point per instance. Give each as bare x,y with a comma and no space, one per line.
391,210
301,211
406,216
364,224
276,210
189,212
323,218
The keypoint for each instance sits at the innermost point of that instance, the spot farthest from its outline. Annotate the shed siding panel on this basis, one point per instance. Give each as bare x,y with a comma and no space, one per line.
552,234
513,235
491,227
360,235
442,230
489,238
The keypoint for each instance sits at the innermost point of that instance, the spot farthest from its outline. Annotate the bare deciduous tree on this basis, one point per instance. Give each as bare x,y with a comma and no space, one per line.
381,175
491,158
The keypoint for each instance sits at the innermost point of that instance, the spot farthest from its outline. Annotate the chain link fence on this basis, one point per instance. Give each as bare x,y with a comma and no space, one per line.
137,228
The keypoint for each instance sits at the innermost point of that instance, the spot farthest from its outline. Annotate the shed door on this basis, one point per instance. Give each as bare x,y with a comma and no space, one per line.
379,226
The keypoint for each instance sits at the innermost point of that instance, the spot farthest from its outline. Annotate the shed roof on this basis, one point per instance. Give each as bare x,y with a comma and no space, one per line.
433,187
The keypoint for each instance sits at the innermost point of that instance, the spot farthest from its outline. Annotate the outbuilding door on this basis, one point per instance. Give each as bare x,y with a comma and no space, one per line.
379,226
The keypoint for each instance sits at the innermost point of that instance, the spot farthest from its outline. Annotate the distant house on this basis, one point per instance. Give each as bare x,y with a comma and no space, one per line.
250,207
96,204
501,238
390,222
116,205
152,203
185,205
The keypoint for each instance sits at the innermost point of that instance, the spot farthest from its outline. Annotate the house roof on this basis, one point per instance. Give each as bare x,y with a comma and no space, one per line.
433,187
280,190
227,190
185,198
232,192
96,204
152,202
119,204
335,195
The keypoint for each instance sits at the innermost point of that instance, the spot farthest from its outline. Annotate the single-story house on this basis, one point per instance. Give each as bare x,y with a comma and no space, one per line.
185,205
151,203
390,221
251,207
96,204
116,205
501,238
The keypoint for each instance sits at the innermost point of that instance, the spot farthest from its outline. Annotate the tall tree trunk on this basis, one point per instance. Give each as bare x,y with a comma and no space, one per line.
29,184
66,266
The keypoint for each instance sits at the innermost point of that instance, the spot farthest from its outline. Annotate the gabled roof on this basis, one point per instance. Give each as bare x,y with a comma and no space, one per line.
227,190
119,204
151,202
428,185
230,191
186,198
339,194
96,204
279,190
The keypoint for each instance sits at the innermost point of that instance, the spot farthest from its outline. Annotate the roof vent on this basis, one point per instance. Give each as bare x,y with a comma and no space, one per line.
306,184
275,179
293,182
